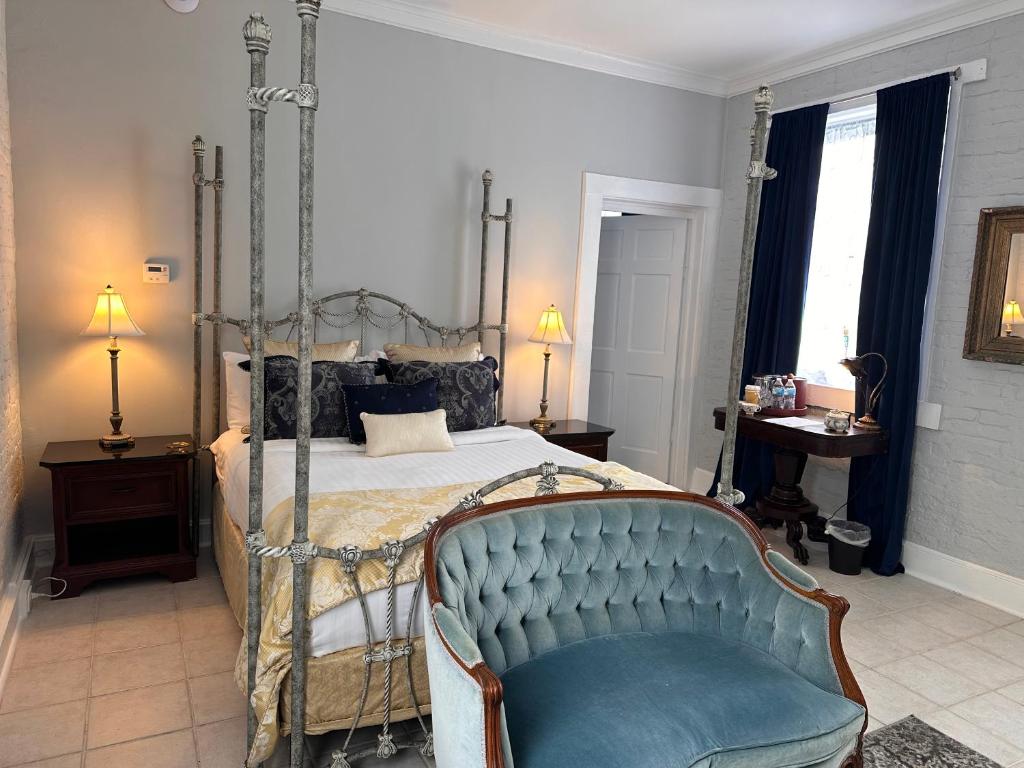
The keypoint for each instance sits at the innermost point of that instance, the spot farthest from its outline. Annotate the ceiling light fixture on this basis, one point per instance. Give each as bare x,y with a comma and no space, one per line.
182,6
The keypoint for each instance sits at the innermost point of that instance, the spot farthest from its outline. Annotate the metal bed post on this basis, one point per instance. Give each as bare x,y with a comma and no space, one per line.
257,42
198,160
218,246
504,308
486,217
757,174
199,183
485,220
302,549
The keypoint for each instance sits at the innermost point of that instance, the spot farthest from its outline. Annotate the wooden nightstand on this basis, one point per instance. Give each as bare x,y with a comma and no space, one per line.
120,514
579,436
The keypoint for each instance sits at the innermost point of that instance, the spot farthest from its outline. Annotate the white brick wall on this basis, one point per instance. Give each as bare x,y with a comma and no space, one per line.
10,416
967,491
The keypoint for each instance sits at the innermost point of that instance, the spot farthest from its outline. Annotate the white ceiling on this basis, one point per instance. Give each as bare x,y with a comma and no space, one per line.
721,47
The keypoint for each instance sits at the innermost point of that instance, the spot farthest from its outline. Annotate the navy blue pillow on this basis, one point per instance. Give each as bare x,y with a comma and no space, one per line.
327,410
386,398
466,391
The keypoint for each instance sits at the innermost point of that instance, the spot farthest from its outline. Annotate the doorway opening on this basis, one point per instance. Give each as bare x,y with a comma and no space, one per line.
642,278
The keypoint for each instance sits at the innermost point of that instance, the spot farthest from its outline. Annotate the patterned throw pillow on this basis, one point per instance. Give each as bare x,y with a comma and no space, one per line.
327,406
464,390
386,399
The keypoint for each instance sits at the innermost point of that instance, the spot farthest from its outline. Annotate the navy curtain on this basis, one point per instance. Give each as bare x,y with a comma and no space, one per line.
909,136
781,259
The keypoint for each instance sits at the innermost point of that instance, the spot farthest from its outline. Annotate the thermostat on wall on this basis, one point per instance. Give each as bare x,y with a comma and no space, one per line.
156,273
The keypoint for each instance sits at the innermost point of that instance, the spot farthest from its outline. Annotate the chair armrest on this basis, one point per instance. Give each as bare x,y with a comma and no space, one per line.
465,697
789,569
810,640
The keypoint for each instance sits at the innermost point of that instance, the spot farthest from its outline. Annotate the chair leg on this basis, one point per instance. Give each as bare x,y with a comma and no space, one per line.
855,760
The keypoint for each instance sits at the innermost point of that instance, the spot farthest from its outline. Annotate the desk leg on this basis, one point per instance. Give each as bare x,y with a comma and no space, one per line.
794,534
786,500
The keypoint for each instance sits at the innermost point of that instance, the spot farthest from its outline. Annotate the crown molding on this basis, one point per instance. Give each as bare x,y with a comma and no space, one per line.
406,15
914,31
461,29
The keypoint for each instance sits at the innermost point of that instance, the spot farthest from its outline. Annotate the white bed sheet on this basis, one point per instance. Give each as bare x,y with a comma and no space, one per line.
336,464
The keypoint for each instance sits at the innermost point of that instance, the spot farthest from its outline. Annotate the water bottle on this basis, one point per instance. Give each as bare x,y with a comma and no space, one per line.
789,395
778,393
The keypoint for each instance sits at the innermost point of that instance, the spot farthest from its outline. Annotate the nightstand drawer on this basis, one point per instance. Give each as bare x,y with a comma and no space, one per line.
98,493
597,451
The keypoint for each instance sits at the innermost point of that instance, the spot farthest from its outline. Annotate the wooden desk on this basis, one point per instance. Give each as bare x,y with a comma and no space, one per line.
786,502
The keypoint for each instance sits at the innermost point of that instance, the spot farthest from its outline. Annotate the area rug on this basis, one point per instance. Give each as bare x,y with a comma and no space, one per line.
913,744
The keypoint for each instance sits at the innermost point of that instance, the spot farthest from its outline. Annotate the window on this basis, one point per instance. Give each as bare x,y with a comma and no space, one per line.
829,329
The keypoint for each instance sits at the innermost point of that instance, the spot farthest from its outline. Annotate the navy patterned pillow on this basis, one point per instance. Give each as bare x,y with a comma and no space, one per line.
464,390
386,398
327,405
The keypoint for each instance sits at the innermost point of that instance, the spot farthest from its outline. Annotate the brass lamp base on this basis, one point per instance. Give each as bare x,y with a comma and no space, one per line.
867,422
116,442
542,423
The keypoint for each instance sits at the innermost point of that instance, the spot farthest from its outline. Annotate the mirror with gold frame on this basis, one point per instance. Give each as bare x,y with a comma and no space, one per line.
995,314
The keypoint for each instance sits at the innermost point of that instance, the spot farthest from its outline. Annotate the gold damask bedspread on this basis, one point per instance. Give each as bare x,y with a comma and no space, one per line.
334,682
365,519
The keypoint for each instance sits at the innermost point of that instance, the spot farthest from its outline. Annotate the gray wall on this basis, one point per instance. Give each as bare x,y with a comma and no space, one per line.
10,418
968,477
107,95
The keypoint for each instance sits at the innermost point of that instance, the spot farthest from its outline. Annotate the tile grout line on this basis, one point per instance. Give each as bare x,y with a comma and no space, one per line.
92,672
188,680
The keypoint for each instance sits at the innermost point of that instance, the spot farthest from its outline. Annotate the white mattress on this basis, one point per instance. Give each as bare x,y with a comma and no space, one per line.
338,465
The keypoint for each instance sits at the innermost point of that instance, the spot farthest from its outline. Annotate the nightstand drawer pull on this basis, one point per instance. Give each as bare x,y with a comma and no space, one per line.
124,489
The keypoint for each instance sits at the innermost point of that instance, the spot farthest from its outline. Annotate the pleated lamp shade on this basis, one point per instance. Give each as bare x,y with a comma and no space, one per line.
111,318
551,328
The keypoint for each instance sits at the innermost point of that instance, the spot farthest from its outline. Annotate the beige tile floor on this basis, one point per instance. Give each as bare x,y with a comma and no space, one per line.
139,672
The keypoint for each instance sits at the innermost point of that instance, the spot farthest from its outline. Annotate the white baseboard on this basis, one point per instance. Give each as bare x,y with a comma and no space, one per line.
701,480
977,582
15,601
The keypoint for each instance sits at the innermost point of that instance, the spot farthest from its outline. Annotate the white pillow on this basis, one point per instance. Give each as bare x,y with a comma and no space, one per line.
331,352
390,434
236,387
407,353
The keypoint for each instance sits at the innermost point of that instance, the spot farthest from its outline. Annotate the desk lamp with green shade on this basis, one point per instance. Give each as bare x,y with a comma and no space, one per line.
111,319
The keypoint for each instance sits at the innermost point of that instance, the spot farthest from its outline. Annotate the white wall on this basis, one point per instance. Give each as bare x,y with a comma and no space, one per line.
10,417
968,477
107,95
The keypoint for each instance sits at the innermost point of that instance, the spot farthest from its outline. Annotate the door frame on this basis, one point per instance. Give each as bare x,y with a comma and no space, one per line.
702,206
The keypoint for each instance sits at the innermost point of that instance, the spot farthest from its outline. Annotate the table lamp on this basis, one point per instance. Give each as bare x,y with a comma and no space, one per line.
1011,316
550,330
858,367
111,318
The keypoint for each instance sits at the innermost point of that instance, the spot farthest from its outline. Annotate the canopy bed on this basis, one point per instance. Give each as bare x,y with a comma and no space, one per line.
357,525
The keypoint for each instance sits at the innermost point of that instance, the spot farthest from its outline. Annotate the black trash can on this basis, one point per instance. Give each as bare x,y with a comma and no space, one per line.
847,541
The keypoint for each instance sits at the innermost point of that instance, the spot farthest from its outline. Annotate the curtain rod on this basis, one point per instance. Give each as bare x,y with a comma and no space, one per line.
971,72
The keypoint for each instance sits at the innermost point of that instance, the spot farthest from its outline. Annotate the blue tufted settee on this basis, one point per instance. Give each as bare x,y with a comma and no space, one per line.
631,628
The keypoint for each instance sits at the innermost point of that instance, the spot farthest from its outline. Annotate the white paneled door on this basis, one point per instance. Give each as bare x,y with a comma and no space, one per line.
640,275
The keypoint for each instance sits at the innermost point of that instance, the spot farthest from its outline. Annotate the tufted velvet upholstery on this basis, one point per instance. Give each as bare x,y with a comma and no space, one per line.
529,581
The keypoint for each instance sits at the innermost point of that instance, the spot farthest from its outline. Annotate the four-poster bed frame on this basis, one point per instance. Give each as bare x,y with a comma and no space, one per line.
306,320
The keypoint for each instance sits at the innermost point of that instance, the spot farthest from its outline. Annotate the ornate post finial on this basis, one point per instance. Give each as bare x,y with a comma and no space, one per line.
488,177
307,7
256,32
763,98
198,146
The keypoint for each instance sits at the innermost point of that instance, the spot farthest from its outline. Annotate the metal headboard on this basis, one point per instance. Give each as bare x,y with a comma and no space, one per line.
345,309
